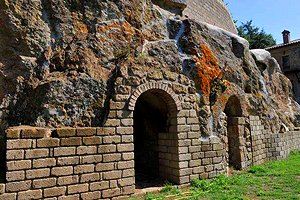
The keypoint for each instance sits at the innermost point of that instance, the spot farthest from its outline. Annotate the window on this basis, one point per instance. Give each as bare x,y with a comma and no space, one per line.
285,63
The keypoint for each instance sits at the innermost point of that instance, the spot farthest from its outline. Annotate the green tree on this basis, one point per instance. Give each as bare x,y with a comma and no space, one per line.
257,38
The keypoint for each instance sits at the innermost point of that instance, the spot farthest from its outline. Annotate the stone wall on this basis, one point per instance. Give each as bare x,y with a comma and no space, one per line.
82,163
94,163
213,12
98,163
268,146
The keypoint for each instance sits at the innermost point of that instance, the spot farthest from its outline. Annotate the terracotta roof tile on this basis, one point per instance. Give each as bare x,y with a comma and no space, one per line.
283,45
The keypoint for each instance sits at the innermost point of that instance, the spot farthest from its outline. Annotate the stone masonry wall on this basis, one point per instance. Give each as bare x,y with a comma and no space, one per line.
271,146
92,163
98,163
67,163
212,12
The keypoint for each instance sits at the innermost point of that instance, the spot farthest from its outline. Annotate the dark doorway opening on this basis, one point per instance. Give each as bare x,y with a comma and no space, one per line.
150,119
233,111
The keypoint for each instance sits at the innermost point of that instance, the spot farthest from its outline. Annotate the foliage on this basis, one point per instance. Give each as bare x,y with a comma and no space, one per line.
257,38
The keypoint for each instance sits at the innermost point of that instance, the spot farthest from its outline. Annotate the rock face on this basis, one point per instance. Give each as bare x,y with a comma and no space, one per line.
60,60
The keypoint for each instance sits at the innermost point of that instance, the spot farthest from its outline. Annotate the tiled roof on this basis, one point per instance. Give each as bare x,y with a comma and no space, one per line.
283,45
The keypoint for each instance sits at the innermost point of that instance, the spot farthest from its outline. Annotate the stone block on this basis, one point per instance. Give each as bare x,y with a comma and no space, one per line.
210,154
86,131
69,197
66,132
89,159
18,186
78,188
13,133
206,161
2,188
61,171
193,135
64,151
37,173
111,148
73,160
184,179
30,194
125,130
19,144
101,167
125,164
15,176
68,180
125,147
36,153
92,177
197,155
217,147
103,131
91,195
18,165
43,183
198,170
111,157
127,138
86,150
55,191
40,163
195,163
72,141
112,175
113,123
82,169
126,181
111,193
127,173
48,142
126,122
185,157
128,190
96,186
93,140
8,196
15,155
192,120
35,132
111,139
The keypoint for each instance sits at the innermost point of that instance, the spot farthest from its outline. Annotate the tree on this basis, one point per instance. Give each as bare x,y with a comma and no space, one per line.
258,39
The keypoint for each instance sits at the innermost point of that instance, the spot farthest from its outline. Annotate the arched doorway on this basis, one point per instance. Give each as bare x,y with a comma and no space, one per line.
152,139
234,112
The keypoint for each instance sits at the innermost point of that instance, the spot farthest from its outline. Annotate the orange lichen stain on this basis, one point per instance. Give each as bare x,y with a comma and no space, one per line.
81,28
207,69
116,30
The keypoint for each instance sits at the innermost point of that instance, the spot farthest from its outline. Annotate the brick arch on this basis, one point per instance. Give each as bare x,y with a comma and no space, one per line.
162,88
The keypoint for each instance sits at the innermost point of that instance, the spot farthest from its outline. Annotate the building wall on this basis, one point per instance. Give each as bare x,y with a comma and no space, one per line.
213,12
293,51
98,163
268,146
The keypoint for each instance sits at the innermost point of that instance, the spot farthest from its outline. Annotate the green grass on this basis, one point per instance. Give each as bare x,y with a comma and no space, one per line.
273,180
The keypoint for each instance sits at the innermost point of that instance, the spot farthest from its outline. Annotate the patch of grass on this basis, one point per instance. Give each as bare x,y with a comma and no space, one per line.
273,180
169,189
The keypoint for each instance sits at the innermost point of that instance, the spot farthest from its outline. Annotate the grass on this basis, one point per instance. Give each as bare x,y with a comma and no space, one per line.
273,180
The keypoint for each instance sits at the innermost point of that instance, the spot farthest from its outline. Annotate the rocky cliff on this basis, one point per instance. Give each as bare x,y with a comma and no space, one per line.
59,61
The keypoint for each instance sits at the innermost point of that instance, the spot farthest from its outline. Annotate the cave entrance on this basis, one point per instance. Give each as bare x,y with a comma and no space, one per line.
152,139
234,114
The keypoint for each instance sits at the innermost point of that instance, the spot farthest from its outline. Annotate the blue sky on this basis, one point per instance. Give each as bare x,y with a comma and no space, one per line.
272,15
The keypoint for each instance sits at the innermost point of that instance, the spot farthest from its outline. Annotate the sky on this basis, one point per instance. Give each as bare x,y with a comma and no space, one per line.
273,16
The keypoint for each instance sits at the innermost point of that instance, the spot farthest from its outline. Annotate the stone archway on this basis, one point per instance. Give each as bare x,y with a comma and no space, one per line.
235,132
155,145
